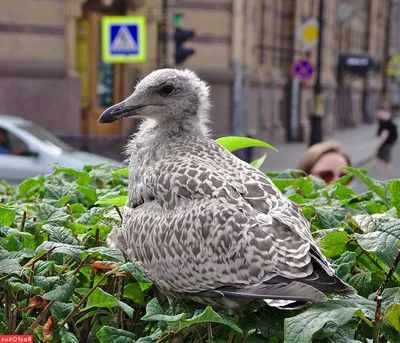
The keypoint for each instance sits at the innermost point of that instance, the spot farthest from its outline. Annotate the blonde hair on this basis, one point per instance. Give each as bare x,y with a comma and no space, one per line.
315,152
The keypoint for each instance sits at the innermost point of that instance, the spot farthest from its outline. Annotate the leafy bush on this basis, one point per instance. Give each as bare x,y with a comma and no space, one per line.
60,282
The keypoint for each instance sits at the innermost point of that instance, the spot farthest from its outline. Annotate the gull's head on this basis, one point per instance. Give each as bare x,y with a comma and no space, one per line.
164,95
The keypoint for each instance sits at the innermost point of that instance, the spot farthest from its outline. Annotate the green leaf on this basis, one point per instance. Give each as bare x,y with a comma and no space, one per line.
89,192
7,215
233,143
394,188
331,216
109,334
68,337
100,298
379,187
51,214
334,244
390,296
28,187
19,285
56,192
92,216
209,316
9,266
154,312
59,234
301,328
108,252
134,292
344,264
62,293
259,162
92,314
131,268
117,201
61,248
43,267
384,241
61,309
367,282
126,308
47,283
124,172
392,314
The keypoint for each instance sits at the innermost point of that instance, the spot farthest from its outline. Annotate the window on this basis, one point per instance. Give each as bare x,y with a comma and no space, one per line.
11,144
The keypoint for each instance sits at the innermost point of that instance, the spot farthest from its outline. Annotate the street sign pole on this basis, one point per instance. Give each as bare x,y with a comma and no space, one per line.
316,119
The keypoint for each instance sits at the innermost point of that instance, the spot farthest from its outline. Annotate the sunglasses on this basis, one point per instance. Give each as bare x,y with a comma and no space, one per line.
329,175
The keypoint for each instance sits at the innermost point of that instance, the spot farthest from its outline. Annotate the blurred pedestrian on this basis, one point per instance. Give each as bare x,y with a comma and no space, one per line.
323,160
387,137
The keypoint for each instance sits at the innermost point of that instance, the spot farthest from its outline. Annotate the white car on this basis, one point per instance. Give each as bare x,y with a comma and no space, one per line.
28,150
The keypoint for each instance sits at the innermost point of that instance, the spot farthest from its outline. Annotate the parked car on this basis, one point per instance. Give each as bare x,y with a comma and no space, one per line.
27,150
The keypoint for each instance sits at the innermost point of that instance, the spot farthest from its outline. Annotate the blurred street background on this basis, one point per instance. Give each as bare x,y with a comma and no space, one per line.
283,71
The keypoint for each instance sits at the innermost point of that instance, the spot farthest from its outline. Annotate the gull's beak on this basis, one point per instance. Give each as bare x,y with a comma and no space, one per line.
118,111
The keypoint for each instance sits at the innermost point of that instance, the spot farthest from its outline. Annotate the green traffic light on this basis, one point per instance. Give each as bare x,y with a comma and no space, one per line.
177,19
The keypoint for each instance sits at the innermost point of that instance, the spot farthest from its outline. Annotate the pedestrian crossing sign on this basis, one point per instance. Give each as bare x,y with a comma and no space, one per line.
393,67
123,39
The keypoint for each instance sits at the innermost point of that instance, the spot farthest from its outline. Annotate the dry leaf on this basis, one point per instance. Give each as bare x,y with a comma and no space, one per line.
103,266
48,329
36,302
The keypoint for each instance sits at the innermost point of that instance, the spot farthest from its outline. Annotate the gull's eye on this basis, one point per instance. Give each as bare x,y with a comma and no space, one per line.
167,90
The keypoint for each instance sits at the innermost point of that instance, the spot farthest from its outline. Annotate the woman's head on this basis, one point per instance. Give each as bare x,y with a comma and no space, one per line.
323,160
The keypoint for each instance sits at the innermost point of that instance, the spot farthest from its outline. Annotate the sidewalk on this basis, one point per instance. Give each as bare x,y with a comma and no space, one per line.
358,142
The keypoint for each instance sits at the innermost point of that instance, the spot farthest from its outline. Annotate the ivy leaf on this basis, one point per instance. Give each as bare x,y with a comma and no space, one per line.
61,310
367,282
89,192
7,215
59,234
154,312
334,244
301,328
209,316
61,248
233,143
384,241
43,267
109,334
28,187
51,214
331,217
19,285
68,337
108,252
92,216
394,188
10,266
62,293
379,187
134,292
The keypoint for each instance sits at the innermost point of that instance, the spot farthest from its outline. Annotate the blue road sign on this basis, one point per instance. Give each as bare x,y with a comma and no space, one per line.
303,70
123,39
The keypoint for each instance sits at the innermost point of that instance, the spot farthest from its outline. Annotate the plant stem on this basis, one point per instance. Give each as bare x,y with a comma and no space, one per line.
31,262
88,295
210,335
119,212
23,221
377,320
29,331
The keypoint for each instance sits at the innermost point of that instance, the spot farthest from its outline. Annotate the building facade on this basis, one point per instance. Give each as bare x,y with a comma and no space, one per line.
51,69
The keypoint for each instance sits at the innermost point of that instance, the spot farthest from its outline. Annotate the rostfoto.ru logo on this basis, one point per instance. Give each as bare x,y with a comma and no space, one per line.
16,339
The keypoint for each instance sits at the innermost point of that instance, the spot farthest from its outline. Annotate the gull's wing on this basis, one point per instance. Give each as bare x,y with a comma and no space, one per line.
212,248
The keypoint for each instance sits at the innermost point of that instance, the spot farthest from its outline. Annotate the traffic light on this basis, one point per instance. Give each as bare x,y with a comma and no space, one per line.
181,36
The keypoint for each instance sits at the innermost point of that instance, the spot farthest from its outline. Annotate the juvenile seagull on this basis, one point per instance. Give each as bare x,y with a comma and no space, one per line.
201,223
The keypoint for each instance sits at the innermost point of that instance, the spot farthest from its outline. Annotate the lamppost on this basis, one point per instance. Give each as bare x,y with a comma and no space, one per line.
316,118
